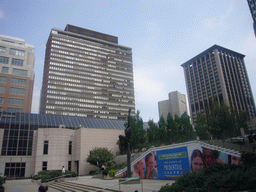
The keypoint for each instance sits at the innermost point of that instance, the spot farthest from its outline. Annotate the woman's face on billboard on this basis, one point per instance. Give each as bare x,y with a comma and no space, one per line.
197,164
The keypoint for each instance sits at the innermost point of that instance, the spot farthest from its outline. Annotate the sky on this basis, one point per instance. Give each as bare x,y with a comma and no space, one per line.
163,34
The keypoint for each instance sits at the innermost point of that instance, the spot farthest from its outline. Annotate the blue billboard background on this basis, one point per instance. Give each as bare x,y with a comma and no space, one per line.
172,163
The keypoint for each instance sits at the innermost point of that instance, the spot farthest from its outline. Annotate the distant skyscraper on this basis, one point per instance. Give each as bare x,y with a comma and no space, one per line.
252,6
176,104
87,73
17,75
218,72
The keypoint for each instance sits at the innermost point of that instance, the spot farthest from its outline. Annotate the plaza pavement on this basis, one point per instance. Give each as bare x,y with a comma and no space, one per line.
26,185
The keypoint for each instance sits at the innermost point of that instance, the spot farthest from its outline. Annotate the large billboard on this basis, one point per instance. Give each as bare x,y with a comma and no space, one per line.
174,162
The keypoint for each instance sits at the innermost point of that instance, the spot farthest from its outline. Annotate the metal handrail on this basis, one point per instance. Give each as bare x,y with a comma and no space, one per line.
55,178
120,184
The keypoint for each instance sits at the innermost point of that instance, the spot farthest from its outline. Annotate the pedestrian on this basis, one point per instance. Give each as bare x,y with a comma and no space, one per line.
42,188
63,170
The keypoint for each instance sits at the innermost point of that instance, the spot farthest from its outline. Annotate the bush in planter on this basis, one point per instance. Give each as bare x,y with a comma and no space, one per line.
1,188
1,180
105,172
111,172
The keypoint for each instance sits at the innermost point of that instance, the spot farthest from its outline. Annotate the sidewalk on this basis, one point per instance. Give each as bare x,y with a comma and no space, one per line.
149,185
26,185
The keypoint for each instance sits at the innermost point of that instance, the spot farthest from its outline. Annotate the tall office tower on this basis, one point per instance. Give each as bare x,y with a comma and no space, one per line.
87,73
218,72
17,75
252,6
176,104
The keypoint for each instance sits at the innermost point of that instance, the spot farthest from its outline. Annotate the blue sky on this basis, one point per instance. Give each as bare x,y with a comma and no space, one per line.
163,34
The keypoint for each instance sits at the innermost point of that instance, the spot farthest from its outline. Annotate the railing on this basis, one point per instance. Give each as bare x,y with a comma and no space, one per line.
55,178
102,190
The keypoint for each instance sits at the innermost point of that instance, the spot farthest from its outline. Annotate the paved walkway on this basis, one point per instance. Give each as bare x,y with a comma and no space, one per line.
27,185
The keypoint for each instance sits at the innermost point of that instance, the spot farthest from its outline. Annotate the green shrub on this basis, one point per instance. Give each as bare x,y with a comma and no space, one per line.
51,174
218,177
36,177
1,180
111,172
1,188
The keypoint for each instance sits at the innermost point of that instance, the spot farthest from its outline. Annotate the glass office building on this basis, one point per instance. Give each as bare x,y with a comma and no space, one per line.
221,73
87,74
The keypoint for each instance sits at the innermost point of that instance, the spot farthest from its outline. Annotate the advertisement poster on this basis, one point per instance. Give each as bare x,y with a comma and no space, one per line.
172,163
146,168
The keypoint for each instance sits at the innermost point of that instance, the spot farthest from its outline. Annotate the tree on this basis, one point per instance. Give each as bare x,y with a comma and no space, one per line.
100,156
220,121
161,135
201,127
186,128
137,135
151,131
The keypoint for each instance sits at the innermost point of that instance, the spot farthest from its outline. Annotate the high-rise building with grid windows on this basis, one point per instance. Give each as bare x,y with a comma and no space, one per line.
218,72
252,6
17,61
87,73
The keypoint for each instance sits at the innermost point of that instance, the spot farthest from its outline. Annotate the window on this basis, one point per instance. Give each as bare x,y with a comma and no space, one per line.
2,89
2,49
15,170
17,91
17,62
69,165
70,148
44,165
20,72
5,69
17,52
8,42
14,110
17,81
14,101
3,79
46,143
4,60
1,100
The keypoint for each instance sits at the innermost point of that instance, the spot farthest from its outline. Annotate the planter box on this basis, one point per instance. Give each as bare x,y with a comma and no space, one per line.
107,177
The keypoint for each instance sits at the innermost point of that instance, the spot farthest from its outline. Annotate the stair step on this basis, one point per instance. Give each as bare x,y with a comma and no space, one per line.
77,187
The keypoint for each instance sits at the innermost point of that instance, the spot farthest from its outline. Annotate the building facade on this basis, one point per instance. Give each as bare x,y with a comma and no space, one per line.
221,73
31,143
176,104
87,73
252,7
17,75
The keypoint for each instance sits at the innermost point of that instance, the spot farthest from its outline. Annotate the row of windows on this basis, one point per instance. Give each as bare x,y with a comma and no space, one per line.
85,60
19,72
17,62
13,101
83,115
13,90
15,81
17,52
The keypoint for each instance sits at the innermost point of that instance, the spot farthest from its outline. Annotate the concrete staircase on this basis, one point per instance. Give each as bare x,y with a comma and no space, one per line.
77,187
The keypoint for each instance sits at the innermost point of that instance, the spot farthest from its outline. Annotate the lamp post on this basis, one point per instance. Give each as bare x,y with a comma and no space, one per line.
126,138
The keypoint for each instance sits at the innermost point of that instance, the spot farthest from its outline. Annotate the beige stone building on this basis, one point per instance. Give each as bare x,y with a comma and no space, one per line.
16,75
176,104
52,142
